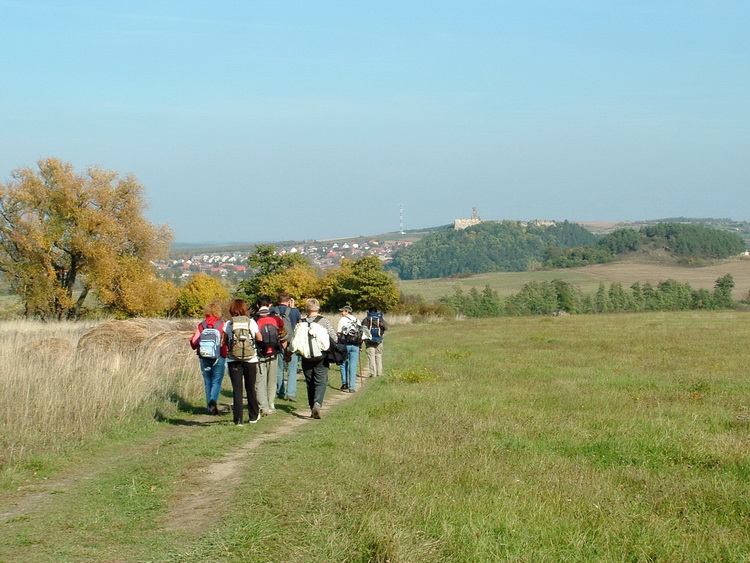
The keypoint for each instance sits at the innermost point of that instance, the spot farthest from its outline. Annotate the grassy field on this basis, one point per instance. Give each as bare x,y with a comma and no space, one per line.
588,278
581,438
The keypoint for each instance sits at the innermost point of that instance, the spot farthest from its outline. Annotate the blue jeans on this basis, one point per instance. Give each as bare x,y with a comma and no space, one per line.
291,374
213,375
349,367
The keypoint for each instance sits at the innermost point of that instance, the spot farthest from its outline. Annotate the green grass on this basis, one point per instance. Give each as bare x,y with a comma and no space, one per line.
582,438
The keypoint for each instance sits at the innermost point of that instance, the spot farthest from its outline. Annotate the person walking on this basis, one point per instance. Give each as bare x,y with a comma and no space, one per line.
210,343
315,370
350,331
376,324
270,342
290,315
242,361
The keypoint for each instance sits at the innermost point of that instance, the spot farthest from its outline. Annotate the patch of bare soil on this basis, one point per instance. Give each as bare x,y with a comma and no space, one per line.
193,506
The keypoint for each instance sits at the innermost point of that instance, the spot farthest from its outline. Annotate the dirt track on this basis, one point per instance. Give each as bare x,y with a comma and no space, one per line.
191,508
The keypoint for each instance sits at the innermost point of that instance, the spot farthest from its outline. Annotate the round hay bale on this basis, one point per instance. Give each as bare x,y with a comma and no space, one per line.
167,343
169,349
51,349
186,324
119,336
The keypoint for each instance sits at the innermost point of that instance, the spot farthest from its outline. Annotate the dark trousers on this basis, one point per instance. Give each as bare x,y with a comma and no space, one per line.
316,378
239,373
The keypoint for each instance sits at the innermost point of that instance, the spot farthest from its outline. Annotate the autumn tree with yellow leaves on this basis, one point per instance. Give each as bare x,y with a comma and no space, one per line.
65,236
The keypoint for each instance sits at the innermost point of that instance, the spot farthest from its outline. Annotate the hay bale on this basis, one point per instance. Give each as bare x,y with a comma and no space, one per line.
185,324
166,344
49,349
120,336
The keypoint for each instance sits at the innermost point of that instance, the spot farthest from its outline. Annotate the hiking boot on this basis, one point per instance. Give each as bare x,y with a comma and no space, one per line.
316,410
352,390
291,399
344,387
212,407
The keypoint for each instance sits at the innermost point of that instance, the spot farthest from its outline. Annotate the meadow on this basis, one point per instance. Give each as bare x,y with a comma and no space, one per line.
579,438
588,278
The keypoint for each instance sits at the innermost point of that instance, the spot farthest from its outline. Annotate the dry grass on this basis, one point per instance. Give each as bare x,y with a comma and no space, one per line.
67,382
588,278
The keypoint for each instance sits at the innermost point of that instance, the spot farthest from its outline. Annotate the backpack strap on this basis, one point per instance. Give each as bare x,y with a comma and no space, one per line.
309,338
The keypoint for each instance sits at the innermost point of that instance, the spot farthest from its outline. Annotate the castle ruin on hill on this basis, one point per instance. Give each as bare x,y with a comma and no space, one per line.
460,224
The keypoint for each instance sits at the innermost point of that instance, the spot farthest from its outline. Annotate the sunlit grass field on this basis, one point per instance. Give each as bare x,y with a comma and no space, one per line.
580,438
594,438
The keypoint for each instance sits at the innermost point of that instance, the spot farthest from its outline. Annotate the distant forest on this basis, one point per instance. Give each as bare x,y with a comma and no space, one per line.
688,243
515,246
486,247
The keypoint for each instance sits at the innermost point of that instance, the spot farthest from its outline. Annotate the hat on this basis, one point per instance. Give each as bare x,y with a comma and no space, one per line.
346,308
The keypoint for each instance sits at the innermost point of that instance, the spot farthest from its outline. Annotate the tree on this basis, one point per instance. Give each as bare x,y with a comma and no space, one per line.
300,281
361,284
200,290
723,292
64,236
266,262
601,300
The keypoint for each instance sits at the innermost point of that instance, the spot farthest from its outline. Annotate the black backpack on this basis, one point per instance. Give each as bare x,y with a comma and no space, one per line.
270,343
352,332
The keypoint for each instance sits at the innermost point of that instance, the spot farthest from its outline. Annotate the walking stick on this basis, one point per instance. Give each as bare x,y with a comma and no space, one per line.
359,367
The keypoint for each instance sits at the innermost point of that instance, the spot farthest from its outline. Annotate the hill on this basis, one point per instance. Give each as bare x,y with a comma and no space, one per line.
486,247
741,228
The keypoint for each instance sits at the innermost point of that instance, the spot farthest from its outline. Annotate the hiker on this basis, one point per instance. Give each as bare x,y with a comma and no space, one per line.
270,341
291,316
315,369
242,360
376,325
210,343
350,331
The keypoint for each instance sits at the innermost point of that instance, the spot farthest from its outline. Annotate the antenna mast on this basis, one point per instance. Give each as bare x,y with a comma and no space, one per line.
401,219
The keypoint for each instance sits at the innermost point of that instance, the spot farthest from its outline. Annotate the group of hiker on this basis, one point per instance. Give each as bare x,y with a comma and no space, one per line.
262,351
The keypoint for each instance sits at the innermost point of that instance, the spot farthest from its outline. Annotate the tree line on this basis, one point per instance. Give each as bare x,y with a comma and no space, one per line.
75,245
549,297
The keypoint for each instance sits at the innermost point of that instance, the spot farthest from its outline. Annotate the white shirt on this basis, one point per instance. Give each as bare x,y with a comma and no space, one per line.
345,320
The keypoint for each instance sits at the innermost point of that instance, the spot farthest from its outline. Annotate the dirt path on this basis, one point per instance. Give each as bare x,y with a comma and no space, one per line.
193,506
36,495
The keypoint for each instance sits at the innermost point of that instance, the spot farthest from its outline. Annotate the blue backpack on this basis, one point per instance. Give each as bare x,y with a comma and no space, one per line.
373,323
209,343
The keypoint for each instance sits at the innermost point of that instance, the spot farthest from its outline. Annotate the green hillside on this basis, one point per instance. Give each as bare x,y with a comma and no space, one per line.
486,247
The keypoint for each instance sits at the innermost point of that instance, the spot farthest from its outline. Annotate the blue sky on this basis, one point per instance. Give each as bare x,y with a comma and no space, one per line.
277,120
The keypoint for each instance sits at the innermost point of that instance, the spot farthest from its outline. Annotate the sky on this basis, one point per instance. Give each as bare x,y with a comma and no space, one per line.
288,120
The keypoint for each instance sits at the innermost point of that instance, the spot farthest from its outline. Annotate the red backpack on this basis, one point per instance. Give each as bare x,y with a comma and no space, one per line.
269,327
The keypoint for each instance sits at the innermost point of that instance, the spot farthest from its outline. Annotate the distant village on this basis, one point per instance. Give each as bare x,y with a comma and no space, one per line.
232,265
